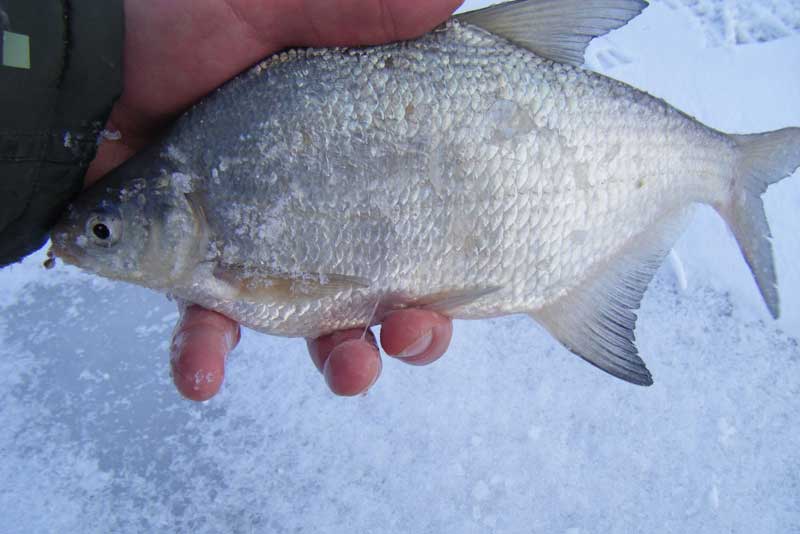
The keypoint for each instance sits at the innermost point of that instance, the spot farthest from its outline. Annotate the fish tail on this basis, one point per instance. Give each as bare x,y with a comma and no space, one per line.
762,159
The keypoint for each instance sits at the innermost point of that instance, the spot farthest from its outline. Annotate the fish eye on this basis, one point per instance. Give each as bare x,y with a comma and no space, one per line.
104,229
101,231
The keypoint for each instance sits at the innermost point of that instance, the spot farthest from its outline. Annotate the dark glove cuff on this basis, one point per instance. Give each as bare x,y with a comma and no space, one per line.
61,73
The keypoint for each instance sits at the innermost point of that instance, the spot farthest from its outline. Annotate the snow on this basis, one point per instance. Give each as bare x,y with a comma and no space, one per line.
508,433
743,21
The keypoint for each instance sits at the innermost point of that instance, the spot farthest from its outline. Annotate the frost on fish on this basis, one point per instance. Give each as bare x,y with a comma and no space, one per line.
477,171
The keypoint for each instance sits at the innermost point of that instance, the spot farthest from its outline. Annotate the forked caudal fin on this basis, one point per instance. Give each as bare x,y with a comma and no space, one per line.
763,159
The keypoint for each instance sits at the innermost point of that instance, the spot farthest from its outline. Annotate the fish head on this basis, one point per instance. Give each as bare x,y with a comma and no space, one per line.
142,223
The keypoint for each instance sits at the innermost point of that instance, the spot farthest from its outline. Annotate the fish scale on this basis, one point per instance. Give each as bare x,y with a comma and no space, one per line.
477,171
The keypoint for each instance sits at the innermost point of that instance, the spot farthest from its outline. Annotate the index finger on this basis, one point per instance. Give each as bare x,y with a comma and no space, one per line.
200,345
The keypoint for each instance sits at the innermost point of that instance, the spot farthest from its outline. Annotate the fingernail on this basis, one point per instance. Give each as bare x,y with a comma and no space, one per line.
178,341
374,380
377,375
418,347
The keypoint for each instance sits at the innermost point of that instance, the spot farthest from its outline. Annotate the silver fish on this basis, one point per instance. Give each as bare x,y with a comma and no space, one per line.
477,171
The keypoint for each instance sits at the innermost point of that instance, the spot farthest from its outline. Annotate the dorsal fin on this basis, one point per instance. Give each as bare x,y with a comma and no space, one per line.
559,30
596,320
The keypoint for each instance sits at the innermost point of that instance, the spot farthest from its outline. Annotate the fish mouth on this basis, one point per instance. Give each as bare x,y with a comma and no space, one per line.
60,246
61,252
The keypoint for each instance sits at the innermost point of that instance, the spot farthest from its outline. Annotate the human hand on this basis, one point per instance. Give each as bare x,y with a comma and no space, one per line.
178,51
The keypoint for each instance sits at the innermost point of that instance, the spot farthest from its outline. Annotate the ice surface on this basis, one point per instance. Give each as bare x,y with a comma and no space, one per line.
508,433
743,21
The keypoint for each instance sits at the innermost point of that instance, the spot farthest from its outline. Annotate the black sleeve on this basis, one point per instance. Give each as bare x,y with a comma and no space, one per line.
60,73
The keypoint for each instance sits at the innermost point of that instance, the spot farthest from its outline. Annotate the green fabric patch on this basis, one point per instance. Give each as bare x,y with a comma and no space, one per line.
16,50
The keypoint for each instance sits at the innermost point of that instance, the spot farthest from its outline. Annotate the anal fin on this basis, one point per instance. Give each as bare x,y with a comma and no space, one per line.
596,319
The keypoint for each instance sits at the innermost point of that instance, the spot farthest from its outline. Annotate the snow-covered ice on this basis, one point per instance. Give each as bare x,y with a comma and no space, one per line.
508,433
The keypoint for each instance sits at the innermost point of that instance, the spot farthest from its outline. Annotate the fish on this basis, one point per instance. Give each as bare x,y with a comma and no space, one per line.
478,171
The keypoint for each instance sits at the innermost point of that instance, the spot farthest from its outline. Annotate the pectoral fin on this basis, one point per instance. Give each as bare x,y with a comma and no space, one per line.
596,319
252,285
559,30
